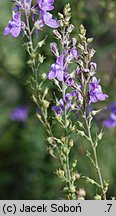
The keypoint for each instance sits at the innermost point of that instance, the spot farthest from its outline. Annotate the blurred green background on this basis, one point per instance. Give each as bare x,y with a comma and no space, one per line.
26,170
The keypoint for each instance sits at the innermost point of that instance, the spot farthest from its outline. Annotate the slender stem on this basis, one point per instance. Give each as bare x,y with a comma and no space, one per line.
32,50
88,121
65,116
96,159
49,131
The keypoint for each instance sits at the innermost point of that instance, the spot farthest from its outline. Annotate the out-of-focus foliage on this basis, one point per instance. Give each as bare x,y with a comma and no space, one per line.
26,170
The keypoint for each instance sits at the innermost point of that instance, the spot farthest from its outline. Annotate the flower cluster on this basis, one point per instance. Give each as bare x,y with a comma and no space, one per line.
95,91
25,8
111,121
15,26
82,76
70,99
20,113
73,74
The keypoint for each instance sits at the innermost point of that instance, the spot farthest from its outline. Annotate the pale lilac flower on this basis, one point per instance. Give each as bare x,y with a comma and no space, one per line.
46,5
23,5
111,121
45,18
73,54
60,108
28,4
95,91
54,49
15,26
19,114
57,69
71,100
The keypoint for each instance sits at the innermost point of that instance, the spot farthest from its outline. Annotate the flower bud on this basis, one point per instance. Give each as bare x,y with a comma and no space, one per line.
72,189
81,192
80,198
54,49
70,28
97,197
38,116
43,76
60,173
45,103
46,91
60,15
50,140
77,175
57,34
74,163
34,99
71,143
93,66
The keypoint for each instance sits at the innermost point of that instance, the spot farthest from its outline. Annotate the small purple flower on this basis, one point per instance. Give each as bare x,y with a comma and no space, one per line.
68,100
69,81
45,18
46,5
57,69
24,5
111,121
15,26
73,54
95,91
19,114
60,108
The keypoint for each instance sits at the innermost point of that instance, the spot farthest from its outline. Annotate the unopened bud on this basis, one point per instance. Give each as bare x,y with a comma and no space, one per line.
60,173
46,92
81,192
93,66
57,34
70,28
54,49
71,143
45,103
50,140
97,197
34,99
60,15
38,116
72,189
43,76
74,163
77,175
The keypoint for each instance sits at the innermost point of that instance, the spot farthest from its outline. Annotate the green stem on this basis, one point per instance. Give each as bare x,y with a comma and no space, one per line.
68,174
32,50
84,84
95,159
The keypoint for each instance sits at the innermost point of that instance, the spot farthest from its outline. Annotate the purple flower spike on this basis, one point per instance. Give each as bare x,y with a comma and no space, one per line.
19,114
111,121
95,91
15,26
